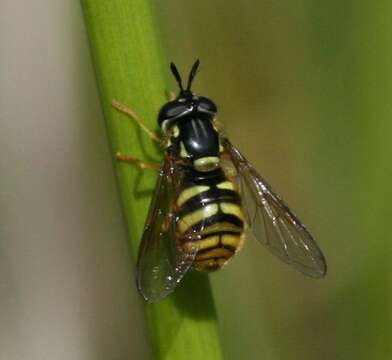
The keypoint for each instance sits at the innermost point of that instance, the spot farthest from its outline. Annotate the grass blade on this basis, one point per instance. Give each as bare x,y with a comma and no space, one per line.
129,68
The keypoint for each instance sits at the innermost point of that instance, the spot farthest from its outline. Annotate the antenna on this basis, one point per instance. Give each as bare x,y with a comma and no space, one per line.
192,74
177,75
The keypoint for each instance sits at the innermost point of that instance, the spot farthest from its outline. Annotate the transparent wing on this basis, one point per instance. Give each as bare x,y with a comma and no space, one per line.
162,263
272,222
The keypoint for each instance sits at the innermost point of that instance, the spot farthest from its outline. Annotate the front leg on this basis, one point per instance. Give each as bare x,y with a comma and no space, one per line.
131,114
137,162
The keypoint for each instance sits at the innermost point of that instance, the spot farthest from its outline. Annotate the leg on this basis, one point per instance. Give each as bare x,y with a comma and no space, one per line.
137,162
170,95
122,108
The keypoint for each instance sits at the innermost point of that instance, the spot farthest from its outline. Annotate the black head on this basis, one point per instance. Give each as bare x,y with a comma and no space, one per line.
187,103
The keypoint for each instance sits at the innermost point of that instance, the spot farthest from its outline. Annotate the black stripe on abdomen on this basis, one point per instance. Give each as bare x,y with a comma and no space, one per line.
213,195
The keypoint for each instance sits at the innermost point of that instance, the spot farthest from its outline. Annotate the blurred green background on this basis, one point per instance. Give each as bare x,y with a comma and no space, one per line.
303,88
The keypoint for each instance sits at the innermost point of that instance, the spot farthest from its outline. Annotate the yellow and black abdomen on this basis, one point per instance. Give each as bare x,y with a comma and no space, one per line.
209,206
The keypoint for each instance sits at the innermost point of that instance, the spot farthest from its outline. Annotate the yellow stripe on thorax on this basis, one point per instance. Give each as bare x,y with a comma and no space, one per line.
207,163
183,153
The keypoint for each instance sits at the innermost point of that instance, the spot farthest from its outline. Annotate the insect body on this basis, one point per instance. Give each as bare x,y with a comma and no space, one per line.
207,209
206,196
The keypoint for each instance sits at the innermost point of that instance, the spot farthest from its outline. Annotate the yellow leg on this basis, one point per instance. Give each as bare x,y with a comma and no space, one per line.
134,161
124,109
171,95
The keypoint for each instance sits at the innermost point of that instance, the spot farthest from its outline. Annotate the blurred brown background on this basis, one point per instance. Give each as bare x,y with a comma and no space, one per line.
303,89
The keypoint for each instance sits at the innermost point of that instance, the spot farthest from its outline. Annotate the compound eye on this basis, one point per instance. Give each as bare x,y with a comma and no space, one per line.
206,105
171,110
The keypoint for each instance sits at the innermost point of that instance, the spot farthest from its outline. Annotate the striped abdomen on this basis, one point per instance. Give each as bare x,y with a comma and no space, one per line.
210,206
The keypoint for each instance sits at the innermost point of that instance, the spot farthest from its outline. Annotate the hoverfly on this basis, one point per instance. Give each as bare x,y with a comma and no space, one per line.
206,195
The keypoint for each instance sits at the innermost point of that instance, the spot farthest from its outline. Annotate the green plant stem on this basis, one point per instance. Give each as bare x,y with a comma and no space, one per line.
129,68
